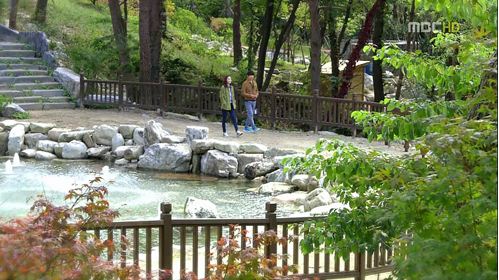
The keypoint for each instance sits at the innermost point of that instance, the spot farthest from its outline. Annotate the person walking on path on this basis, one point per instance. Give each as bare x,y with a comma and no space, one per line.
228,105
250,94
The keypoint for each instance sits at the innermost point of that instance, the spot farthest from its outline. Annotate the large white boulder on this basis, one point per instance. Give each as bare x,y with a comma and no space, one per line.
276,188
245,159
103,135
316,198
28,153
196,132
133,152
127,130
41,155
55,133
200,208
220,164
154,132
138,137
16,139
46,146
41,127
295,198
9,124
74,150
167,157
253,148
117,141
259,168
326,209
304,182
201,146
228,147
11,109
31,139
73,135
98,152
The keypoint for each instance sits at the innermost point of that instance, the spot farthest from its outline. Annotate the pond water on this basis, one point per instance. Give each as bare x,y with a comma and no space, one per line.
135,193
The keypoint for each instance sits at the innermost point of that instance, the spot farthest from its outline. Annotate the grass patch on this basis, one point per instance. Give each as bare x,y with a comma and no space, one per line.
21,115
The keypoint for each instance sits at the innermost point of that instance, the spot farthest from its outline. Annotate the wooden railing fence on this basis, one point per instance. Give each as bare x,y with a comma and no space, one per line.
189,245
314,111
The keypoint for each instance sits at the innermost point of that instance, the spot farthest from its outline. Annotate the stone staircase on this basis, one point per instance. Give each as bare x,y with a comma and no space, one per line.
25,78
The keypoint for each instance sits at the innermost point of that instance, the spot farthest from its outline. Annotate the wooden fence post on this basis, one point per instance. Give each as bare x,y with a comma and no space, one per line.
273,109
360,263
200,100
82,90
271,217
315,110
166,239
120,93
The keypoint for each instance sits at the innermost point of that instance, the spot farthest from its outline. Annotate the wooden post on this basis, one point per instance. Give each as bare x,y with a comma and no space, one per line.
315,110
82,90
360,266
271,217
166,238
273,109
200,101
120,93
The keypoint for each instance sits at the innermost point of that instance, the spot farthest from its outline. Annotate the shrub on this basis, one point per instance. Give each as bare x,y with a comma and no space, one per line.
248,263
21,115
188,21
51,243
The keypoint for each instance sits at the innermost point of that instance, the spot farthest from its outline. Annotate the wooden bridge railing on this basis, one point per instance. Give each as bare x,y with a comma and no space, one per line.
189,245
314,111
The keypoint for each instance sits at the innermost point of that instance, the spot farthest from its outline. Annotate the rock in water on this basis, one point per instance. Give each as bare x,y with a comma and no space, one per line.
199,208
167,157
218,164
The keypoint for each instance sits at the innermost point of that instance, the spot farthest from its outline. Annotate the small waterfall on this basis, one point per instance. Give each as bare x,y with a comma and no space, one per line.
105,170
8,167
16,161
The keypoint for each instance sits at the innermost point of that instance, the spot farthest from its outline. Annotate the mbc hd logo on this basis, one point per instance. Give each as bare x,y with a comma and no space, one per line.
427,27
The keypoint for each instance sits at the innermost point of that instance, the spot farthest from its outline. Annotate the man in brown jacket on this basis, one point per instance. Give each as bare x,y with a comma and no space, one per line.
250,94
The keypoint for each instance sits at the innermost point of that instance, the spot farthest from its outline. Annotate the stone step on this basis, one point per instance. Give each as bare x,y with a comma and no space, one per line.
30,86
40,99
47,106
36,92
22,67
26,79
47,92
20,60
13,46
17,53
22,72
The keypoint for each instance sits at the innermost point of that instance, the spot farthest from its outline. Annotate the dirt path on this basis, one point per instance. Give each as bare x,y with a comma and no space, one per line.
296,140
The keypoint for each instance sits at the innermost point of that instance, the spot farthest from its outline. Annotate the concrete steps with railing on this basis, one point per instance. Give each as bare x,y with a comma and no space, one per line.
25,79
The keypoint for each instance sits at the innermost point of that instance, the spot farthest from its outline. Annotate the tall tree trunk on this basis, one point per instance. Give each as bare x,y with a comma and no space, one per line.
236,33
335,42
408,49
41,11
286,30
315,45
13,14
265,33
377,64
361,42
150,39
120,34
251,44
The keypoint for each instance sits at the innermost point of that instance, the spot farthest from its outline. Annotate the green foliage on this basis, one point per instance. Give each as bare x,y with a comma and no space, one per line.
21,115
190,23
52,243
4,100
405,120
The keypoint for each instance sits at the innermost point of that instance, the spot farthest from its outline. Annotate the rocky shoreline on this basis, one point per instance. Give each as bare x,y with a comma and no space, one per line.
154,147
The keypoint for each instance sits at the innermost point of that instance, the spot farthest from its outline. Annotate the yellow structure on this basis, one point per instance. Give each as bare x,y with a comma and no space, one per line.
356,89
